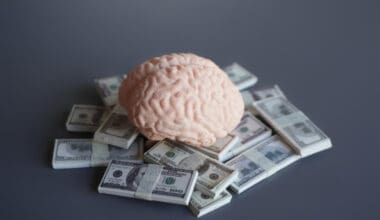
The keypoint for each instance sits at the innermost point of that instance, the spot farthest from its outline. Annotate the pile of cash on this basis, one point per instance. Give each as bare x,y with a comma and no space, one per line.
149,182
271,135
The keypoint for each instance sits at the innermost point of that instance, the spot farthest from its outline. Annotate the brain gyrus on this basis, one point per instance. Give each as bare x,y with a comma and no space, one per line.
182,97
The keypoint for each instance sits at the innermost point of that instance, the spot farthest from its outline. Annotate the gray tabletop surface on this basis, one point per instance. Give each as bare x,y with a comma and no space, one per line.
324,55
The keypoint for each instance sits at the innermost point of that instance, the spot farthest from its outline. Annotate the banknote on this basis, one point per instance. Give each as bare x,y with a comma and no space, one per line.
267,92
116,129
214,177
250,131
259,94
201,204
149,182
80,153
85,118
108,89
289,122
220,147
260,162
241,77
247,98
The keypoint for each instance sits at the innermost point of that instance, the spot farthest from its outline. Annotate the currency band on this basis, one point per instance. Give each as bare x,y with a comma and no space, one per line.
100,153
148,182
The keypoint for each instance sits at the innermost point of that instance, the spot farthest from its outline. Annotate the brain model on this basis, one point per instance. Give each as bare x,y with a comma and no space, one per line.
182,97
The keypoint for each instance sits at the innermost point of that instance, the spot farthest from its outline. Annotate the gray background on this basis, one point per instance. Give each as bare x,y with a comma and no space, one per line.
324,54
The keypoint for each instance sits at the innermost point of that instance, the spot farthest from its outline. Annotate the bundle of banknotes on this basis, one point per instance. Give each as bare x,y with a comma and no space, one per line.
271,135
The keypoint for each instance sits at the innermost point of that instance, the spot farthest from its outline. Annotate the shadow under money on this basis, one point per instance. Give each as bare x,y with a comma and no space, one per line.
97,177
49,153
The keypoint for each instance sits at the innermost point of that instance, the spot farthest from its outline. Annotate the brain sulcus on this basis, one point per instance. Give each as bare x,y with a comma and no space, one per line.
182,97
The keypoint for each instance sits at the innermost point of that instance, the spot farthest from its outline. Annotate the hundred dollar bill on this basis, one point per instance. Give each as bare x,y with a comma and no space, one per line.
241,77
267,92
252,95
149,182
289,122
81,153
108,89
220,147
214,177
250,131
201,204
85,118
260,162
116,129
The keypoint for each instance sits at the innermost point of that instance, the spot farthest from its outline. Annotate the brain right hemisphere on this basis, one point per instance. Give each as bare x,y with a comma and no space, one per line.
182,97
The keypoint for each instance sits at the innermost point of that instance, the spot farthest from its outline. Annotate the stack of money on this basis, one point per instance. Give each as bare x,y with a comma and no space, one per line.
201,204
221,147
108,89
241,77
148,182
250,96
247,98
260,162
85,118
214,177
267,92
250,131
116,129
177,173
79,153
297,129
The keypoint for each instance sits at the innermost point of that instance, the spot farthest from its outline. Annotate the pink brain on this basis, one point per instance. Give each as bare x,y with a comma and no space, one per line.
182,97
